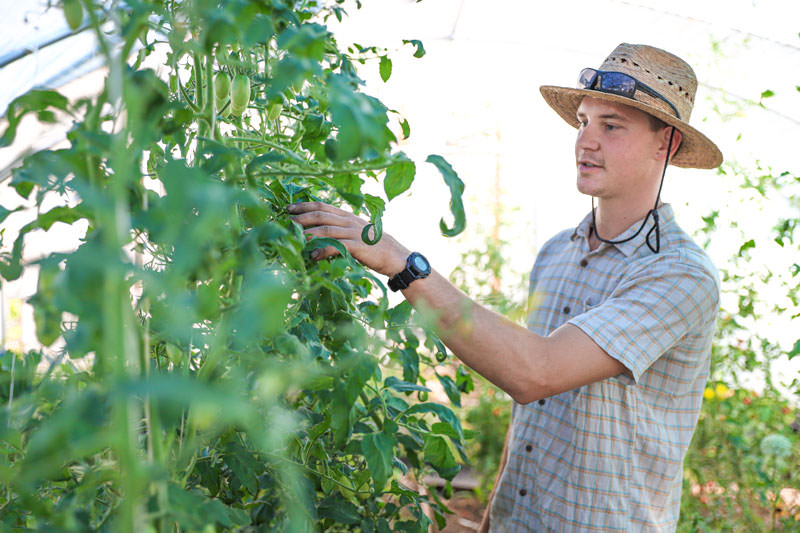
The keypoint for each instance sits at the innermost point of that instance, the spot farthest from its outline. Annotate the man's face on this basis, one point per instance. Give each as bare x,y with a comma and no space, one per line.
616,151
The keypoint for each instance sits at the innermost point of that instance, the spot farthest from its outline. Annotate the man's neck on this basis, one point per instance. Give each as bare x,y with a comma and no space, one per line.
613,218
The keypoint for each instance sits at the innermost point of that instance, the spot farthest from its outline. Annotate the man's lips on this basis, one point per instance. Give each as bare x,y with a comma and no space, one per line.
588,165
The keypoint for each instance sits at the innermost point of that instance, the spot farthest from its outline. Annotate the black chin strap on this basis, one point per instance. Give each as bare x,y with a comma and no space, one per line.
654,230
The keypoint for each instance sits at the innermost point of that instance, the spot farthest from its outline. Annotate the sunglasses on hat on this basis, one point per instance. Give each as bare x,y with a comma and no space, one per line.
619,84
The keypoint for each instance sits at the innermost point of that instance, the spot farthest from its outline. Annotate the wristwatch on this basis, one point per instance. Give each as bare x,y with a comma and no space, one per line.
417,267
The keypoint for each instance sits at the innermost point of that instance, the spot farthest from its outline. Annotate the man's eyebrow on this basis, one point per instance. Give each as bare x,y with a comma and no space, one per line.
607,116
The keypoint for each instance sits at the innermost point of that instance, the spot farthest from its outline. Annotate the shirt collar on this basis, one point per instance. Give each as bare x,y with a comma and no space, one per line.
665,217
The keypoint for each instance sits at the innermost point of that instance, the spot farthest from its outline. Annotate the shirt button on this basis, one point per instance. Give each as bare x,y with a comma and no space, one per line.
583,262
541,402
523,492
528,448
566,309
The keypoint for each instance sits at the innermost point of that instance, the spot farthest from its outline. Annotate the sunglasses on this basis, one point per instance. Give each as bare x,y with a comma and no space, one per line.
618,83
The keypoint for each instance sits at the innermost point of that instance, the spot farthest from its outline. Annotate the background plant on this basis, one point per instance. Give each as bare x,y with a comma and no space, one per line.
732,479
232,383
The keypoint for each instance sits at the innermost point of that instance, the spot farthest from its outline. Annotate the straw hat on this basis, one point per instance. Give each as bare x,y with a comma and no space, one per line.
667,74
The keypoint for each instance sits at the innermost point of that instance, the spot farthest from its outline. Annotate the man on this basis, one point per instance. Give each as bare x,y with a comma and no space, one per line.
609,375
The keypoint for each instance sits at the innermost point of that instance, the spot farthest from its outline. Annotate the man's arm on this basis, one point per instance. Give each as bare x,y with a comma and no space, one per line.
525,365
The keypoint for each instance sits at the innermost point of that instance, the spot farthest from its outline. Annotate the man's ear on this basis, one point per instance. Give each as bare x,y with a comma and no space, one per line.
676,142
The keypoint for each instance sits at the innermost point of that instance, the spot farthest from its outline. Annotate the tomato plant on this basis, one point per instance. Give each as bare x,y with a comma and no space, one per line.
232,383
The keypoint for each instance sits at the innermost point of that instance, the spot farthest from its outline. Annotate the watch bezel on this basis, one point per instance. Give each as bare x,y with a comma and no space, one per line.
411,272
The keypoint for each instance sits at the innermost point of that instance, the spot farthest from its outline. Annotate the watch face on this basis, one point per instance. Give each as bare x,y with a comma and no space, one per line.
420,264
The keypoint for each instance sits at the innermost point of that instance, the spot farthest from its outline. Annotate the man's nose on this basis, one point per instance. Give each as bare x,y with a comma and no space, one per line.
587,138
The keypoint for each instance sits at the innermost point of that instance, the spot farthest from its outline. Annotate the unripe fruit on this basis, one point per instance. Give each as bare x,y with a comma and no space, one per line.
73,12
222,89
240,94
275,111
222,86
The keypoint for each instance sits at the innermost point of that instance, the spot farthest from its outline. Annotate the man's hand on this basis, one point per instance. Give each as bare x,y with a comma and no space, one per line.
387,256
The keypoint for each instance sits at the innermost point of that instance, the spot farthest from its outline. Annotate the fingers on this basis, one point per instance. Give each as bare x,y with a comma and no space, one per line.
332,232
310,207
324,253
323,217
323,220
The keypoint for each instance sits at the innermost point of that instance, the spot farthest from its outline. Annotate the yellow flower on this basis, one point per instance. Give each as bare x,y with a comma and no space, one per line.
708,394
721,391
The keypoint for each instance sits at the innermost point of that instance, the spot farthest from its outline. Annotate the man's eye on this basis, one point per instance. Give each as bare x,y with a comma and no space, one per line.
611,127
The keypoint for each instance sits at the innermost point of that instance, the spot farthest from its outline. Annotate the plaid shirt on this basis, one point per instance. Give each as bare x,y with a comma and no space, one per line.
609,456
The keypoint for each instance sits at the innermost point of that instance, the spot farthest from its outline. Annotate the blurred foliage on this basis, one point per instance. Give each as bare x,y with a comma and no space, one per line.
731,478
231,383
741,471
486,275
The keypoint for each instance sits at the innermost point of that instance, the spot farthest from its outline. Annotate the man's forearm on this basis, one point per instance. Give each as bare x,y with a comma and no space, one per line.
505,353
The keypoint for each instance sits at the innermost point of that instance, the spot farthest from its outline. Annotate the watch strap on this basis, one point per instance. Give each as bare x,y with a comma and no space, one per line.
401,280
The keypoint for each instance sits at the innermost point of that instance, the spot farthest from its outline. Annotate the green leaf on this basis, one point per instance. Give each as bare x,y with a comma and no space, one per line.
440,428
338,509
385,68
349,187
795,351
33,101
438,454
746,246
5,212
450,389
456,191
409,358
400,314
420,50
375,206
767,94
244,466
378,449
399,177
64,214
269,157
403,386
444,414
323,242
194,511
407,128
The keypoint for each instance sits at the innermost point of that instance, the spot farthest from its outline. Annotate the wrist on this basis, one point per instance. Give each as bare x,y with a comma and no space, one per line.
396,262
416,267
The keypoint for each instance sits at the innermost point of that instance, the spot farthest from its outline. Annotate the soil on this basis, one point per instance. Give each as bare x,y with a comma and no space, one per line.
468,512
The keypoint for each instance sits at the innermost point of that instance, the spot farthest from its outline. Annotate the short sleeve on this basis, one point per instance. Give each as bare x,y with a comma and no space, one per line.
651,310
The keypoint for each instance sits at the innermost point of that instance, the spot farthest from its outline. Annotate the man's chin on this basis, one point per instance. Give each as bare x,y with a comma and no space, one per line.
587,187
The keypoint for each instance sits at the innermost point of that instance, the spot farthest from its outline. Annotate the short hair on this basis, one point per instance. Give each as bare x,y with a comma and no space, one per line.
656,123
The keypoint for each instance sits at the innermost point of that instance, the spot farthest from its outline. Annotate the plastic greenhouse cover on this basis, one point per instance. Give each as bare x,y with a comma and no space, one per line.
37,49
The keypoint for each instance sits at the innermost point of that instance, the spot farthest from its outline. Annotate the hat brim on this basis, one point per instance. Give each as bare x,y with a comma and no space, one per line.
696,150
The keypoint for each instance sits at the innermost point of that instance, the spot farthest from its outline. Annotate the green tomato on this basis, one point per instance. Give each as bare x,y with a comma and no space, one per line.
240,94
73,12
222,86
275,111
